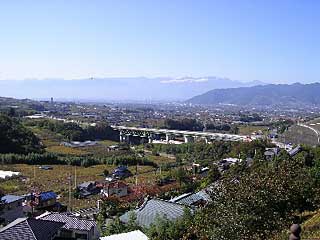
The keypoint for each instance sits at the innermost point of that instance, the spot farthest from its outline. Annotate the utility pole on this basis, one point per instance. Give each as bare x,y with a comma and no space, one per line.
137,174
75,176
70,208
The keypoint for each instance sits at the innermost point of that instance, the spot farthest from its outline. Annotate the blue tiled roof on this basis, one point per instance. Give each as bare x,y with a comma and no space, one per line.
11,198
44,196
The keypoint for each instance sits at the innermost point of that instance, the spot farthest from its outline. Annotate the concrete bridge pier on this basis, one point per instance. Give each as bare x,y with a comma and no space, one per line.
169,137
188,139
196,138
151,138
122,137
127,138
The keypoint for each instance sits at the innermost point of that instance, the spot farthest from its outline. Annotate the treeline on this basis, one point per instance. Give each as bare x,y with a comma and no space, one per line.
194,125
250,118
15,138
211,152
85,161
74,132
183,124
282,125
222,128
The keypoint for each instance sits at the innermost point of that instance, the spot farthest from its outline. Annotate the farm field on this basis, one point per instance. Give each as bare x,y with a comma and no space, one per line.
299,135
161,159
315,123
249,129
52,142
57,180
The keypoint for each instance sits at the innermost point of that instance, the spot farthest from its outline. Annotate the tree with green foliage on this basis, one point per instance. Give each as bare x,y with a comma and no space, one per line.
15,138
258,202
164,229
114,226
183,124
213,175
74,132
180,175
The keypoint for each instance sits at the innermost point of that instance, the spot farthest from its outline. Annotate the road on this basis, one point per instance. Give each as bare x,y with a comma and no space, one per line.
312,129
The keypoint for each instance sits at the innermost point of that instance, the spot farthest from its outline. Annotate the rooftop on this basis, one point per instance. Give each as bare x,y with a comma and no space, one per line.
71,222
31,229
134,235
11,198
8,174
86,184
44,196
153,208
189,199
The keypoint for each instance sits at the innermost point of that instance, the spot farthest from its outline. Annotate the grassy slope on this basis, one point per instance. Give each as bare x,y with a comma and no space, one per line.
311,227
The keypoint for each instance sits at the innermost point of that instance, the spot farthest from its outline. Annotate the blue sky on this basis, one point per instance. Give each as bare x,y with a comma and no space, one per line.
272,41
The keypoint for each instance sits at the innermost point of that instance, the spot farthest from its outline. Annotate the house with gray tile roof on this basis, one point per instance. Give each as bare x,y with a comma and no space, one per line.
200,198
294,151
73,227
88,188
11,198
30,229
152,209
12,208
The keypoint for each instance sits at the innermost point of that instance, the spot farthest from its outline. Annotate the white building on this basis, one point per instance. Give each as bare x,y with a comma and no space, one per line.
8,174
134,235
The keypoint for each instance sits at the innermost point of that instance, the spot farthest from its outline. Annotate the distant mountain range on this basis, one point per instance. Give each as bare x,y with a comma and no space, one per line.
266,95
118,89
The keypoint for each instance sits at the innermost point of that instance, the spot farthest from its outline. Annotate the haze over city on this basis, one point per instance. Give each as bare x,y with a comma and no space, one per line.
269,41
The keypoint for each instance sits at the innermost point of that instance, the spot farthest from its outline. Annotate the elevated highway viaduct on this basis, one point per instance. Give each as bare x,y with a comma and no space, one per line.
189,136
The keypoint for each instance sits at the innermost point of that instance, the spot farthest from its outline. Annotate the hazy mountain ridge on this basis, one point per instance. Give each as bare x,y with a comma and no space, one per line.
139,88
271,94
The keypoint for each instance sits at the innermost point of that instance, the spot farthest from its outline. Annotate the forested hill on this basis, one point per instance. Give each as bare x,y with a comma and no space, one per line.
282,94
25,105
15,138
